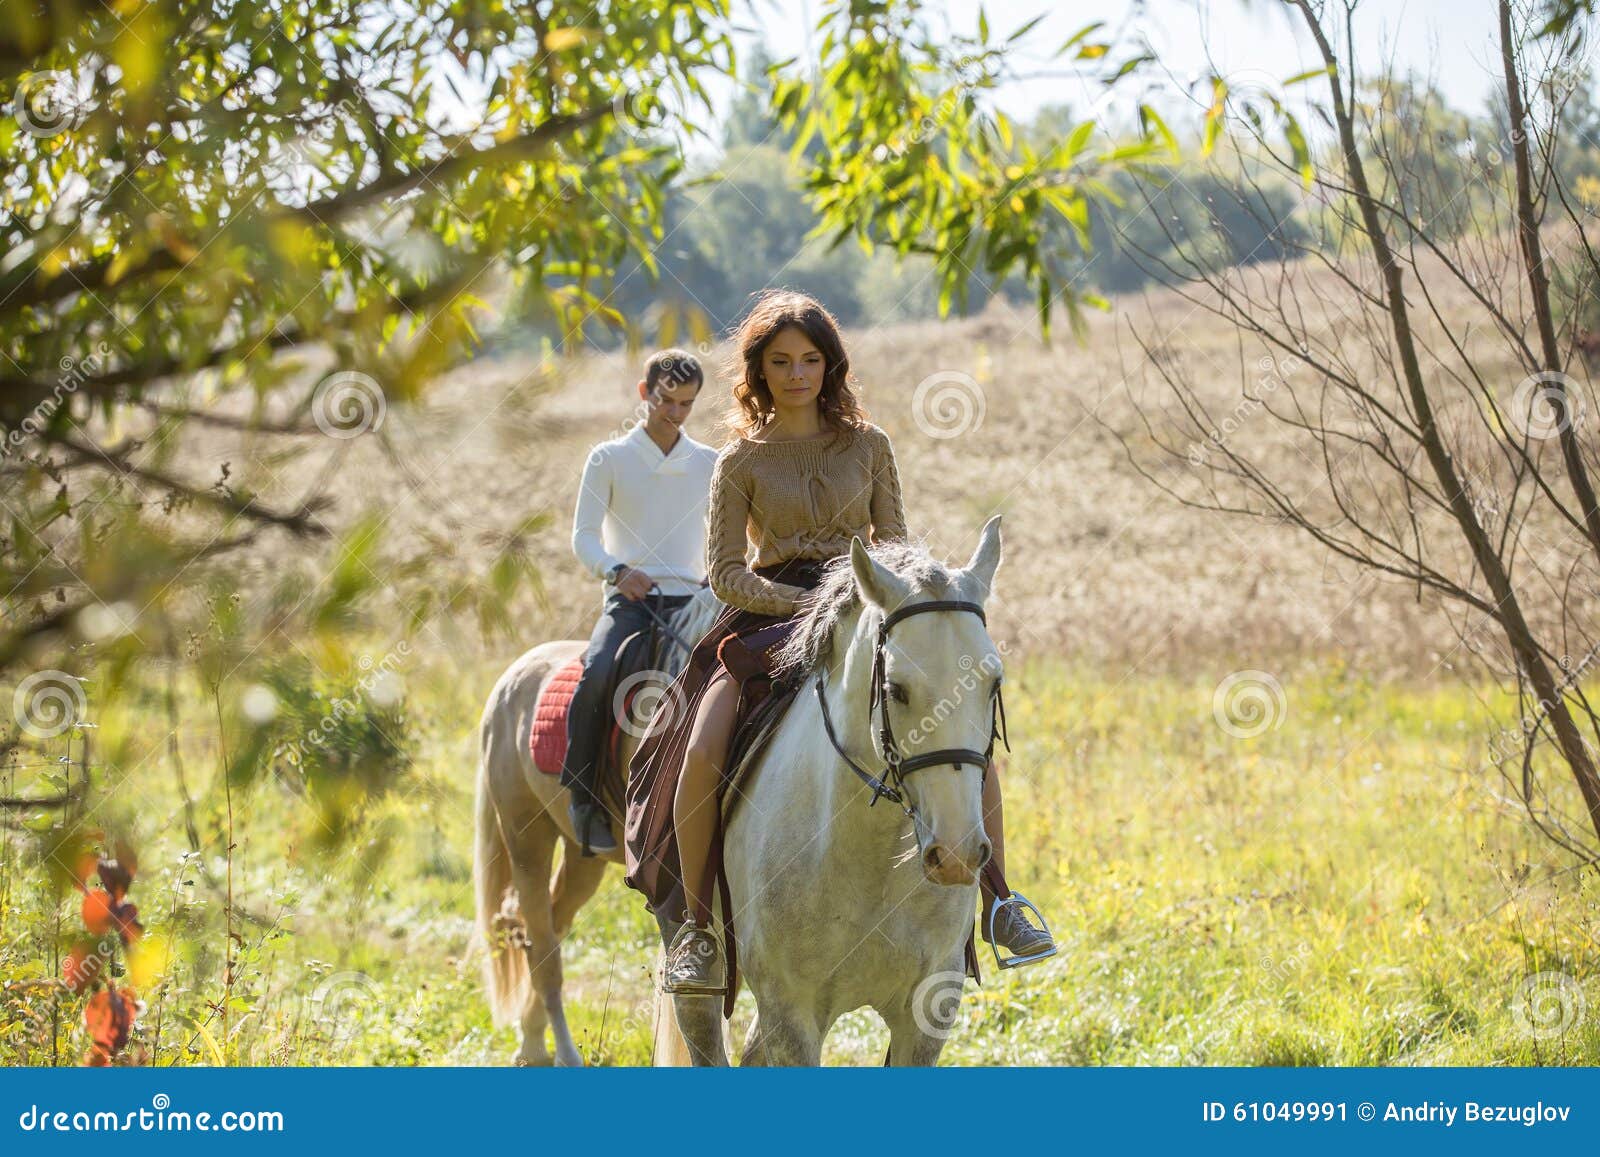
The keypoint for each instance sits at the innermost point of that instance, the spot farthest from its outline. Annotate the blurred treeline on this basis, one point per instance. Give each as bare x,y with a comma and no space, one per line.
742,221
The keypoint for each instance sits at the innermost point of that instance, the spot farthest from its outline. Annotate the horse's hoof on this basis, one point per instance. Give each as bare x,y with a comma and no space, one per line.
537,1061
569,1061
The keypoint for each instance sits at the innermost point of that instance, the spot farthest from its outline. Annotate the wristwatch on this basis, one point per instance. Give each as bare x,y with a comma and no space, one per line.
615,573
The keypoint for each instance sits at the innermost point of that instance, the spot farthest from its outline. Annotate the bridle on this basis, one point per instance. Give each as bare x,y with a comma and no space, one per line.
891,784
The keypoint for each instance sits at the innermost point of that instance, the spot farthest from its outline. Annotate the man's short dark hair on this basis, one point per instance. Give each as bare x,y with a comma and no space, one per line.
672,367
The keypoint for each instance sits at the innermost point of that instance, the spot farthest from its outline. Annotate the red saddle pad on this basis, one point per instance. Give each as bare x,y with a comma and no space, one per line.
548,738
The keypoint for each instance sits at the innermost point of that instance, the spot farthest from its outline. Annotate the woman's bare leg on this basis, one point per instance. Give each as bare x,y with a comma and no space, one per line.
694,808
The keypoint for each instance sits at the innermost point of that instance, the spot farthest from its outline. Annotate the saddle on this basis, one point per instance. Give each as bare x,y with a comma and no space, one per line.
764,700
644,650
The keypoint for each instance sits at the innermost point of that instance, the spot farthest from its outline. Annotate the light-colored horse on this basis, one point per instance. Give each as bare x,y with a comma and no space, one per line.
835,902
522,915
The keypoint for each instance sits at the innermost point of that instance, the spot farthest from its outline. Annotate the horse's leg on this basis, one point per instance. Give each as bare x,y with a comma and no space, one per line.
754,1055
782,1036
577,877
698,1018
532,852
917,1034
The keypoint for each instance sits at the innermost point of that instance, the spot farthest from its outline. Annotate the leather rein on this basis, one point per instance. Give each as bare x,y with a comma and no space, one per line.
890,785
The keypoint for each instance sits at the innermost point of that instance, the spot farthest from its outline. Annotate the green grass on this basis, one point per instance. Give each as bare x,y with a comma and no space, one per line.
1346,888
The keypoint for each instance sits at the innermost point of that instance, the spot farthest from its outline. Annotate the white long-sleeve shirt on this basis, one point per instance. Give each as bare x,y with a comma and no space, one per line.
639,506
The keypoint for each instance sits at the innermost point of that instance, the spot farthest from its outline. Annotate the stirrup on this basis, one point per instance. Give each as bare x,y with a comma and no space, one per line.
1027,958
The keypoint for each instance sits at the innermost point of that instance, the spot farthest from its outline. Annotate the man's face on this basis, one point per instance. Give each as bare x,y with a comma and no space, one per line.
670,402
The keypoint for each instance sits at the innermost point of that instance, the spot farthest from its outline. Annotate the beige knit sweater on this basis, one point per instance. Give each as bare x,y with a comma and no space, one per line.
796,499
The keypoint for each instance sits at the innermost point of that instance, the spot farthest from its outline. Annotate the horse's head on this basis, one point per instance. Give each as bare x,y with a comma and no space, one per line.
940,673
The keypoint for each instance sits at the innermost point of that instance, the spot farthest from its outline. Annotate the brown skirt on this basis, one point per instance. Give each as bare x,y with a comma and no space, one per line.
651,846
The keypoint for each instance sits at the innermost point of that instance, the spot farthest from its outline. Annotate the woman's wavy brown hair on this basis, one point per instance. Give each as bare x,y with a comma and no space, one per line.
775,310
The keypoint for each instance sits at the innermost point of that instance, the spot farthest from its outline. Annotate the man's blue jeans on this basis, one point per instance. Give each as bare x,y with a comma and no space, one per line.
588,716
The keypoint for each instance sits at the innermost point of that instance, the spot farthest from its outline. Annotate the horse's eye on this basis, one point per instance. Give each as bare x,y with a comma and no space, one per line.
897,692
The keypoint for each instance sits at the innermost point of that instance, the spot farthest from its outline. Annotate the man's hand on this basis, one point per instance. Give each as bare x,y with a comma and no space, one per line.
634,584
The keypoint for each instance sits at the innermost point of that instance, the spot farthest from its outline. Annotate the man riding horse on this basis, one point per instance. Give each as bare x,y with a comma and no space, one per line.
640,524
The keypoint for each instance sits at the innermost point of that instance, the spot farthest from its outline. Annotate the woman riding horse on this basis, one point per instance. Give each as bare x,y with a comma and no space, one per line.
805,472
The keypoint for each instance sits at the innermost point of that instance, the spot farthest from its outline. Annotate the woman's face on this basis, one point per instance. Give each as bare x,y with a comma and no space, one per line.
793,367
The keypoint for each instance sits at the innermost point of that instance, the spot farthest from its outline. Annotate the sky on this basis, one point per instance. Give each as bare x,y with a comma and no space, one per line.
1449,41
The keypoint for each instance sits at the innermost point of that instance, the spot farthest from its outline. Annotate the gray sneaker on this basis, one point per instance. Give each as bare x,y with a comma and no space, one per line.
694,964
1014,932
592,826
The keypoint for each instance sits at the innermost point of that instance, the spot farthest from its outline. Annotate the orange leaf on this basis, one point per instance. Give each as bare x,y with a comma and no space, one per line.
97,911
109,1018
82,967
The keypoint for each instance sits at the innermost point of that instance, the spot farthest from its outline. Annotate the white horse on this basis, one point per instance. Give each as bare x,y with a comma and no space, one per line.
837,904
521,817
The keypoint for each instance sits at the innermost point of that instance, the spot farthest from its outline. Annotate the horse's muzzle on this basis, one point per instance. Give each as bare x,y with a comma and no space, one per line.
941,865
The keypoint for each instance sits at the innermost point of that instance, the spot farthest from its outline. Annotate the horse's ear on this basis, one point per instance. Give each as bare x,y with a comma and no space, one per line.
877,583
986,559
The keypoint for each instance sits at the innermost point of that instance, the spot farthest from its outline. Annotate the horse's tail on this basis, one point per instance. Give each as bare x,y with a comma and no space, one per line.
499,919
670,1048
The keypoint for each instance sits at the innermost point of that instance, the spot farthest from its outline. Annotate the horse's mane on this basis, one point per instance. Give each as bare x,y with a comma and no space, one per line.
835,595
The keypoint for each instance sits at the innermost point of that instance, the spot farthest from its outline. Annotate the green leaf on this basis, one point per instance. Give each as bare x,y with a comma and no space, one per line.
1082,34
1299,149
1152,124
1302,77
1026,28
